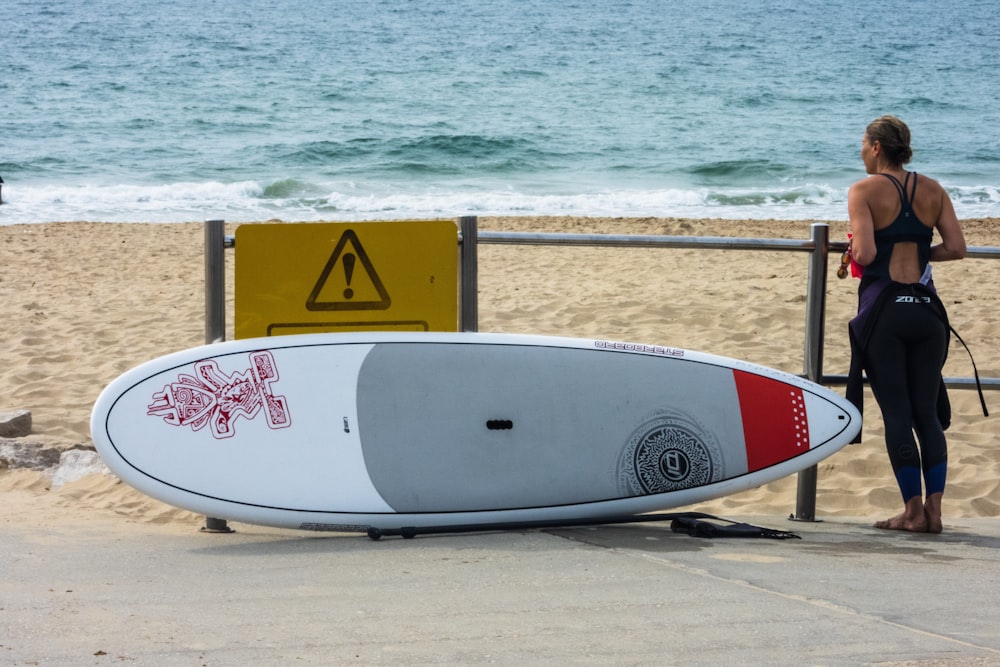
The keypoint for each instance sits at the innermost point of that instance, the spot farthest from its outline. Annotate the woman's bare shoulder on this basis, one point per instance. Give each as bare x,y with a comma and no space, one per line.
925,181
866,185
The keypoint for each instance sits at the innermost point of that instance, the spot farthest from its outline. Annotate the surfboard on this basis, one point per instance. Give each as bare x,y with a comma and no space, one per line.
355,431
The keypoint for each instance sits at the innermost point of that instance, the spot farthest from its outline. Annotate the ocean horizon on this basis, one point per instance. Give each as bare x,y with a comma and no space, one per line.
383,110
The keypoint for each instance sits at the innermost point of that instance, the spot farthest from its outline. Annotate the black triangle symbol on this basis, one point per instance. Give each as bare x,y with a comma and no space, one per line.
348,237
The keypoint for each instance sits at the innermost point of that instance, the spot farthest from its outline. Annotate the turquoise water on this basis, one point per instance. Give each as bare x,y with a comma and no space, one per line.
308,110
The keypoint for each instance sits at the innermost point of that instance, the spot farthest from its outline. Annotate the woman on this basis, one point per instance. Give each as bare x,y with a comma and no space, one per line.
900,335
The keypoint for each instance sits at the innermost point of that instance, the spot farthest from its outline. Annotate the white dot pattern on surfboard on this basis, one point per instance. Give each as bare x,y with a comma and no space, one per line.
801,420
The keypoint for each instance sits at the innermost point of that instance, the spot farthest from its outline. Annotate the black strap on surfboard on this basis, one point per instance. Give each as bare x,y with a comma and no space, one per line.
695,524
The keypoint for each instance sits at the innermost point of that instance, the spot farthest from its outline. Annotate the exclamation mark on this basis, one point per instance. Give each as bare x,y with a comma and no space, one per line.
348,273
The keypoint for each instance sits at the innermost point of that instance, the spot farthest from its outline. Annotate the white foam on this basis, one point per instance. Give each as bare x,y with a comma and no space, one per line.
345,201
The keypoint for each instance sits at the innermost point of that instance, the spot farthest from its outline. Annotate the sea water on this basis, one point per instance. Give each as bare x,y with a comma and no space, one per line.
181,110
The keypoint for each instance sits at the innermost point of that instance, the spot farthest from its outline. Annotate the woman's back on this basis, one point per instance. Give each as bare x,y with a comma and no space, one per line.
888,194
885,202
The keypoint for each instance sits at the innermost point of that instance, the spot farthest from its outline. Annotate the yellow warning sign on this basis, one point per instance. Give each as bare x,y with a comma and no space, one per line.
368,276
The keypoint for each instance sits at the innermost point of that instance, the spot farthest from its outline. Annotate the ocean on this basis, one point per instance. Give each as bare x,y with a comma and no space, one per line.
187,110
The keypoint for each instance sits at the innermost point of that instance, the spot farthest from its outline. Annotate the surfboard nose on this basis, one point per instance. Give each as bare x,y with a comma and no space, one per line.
828,420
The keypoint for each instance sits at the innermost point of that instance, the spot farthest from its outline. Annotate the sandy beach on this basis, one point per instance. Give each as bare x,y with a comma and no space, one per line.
83,302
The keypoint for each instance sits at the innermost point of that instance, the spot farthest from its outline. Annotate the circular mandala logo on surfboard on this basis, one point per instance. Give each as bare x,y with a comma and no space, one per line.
668,453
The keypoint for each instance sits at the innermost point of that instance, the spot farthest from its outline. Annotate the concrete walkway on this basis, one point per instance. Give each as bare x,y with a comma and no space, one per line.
95,593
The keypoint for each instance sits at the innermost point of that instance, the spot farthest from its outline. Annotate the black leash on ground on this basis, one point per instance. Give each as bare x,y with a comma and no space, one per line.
695,524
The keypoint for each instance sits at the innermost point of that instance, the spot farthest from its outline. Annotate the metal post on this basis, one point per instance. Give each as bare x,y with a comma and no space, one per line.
816,301
469,270
215,281
215,313
805,500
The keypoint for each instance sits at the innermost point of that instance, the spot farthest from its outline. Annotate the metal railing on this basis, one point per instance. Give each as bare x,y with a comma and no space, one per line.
818,245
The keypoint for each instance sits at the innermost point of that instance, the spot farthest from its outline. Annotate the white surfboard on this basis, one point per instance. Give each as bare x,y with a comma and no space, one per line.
391,430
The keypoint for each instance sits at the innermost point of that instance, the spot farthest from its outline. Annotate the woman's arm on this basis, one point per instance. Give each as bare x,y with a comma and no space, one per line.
952,244
862,225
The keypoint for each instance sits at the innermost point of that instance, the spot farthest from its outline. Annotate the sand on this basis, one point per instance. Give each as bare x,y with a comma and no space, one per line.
83,302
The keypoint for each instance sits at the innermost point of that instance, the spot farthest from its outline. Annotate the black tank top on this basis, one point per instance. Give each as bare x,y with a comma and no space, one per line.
906,227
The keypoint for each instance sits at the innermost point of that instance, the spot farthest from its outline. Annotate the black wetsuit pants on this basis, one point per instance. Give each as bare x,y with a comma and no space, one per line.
904,356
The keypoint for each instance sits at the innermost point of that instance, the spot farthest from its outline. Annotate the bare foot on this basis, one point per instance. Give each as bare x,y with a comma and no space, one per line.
912,519
904,522
932,512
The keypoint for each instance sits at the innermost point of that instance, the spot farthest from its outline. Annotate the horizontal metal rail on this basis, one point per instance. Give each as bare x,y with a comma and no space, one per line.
702,242
644,241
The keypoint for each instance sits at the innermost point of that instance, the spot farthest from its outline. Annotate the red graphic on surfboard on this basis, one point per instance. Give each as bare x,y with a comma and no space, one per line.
217,400
775,422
